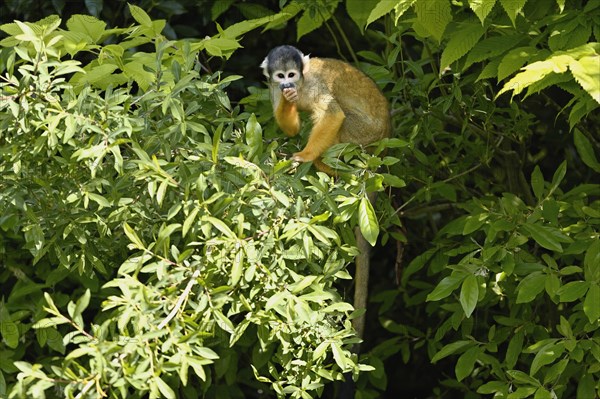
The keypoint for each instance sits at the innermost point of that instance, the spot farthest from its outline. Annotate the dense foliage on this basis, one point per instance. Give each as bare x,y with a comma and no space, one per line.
156,242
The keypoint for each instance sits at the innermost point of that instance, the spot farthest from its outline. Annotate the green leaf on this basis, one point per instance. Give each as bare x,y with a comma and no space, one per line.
445,287
587,74
591,305
433,16
140,15
532,73
586,150
544,236
469,293
237,266
382,8
493,387
513,61
450,349
10,334
545,356
82,303
482,8
587,387
338,356
515,346
512,8
133,237
254,138
220,225
558,176
591,262
537,182
163,387
466,362
530,287
360,10
491,47
463,40
88,25
523,378
573,290
367,221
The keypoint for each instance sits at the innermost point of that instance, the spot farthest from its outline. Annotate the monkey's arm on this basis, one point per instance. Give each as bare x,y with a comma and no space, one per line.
324,134
286,115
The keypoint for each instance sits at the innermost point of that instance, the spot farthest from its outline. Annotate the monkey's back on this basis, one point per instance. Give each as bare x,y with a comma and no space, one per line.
366,109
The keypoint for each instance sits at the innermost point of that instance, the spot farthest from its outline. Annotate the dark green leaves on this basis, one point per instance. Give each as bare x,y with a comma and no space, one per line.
469,293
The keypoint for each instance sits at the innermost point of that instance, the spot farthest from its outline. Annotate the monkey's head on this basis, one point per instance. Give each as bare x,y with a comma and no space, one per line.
285,66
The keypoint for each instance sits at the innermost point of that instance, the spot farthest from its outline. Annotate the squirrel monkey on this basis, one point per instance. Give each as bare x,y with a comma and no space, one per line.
345,105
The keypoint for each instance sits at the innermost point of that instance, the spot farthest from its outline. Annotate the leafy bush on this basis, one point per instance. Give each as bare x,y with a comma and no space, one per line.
155,230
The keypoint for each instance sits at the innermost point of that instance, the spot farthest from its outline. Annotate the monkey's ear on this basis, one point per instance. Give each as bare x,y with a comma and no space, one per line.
305,64
263,65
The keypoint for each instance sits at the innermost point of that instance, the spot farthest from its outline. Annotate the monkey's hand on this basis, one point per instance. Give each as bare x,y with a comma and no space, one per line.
303,157
290,94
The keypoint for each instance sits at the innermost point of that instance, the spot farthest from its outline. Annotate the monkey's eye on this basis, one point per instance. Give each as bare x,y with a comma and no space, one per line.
291,74
280,75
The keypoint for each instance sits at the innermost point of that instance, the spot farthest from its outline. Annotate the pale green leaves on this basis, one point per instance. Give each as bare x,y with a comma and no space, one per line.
582,61
367,220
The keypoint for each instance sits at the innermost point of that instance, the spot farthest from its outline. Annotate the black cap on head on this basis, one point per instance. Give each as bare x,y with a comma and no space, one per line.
283,54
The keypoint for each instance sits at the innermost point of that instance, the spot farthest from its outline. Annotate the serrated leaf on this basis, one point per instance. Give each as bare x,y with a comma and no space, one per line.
464,39
586,150
512,8
514,60
482,8
360,10
367,221
434,16
532,73
382,8
469,294
530,287
491,47
586,71
88,25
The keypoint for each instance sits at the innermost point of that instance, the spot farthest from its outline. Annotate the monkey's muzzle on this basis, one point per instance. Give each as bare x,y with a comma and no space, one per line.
287,85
